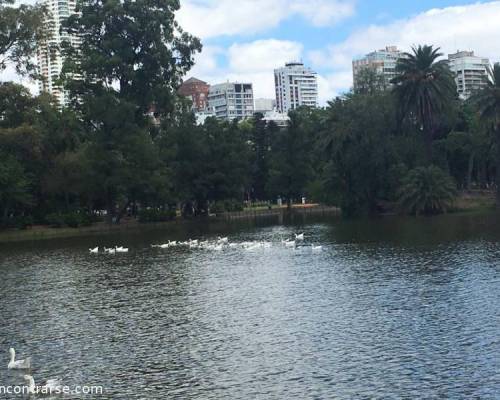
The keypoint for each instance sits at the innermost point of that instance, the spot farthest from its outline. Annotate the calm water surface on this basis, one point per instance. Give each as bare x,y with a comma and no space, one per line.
392,308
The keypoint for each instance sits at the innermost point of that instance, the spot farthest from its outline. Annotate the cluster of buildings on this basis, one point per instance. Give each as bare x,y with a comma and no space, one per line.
295,86
469,70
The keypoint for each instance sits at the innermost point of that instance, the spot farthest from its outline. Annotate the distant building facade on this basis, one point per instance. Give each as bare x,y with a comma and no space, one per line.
264,105
231,100
296,86
197,91
383,62
49,58
470,72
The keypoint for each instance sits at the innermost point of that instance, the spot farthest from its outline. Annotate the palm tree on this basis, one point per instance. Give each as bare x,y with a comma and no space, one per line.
488,102
424,88
427,190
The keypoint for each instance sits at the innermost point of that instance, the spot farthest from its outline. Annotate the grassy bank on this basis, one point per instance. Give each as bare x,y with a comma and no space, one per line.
475,202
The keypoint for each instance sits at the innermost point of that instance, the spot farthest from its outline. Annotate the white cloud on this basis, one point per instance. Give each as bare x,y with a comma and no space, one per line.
263,55
330,85
210,18
247,62
323,12
472,27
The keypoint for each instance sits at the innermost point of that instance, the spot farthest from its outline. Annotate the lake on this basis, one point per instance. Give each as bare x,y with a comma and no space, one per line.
390,308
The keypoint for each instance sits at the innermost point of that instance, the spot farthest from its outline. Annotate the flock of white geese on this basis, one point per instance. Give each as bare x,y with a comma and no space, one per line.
215,245
49,387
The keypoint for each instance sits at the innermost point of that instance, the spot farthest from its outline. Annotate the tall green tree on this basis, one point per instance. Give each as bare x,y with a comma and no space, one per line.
363,165
424,88
20,29
291,166
488,103
132,57
260,136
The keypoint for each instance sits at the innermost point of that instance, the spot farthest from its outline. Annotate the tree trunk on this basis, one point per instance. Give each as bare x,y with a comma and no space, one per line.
470,168
122,212
110,208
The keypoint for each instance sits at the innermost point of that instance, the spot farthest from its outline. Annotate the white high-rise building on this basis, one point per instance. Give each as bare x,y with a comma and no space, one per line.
50,60
470,72
231,100
383,62
296,85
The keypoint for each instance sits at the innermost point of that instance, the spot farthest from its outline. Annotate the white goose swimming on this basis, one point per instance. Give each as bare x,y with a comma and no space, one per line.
110,251
50,387
316,249
95,250
19,364
121,249
299,236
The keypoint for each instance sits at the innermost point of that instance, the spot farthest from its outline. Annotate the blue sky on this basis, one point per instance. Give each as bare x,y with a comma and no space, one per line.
245,40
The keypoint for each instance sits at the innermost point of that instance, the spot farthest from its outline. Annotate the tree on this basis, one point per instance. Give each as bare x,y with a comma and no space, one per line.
260,136
369,81
133,50
363,166
291,159
132,57
427,190
14,186
20,29
424,88
488,104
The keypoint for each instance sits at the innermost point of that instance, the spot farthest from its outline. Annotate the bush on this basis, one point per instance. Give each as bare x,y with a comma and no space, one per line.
154,215
24,222
72,219
55,220
231,205
427,190
217,208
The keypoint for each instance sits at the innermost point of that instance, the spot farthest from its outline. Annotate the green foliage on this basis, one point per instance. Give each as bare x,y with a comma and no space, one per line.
21,28
427,190
424,89
230,205
138,46
370,81
14,186
73,219
106,152
362,156
291,165
487,102
155,215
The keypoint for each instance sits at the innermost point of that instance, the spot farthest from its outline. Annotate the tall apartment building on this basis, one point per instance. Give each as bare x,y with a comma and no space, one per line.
296,85
470,72
197,91
383,62
50,60
231,100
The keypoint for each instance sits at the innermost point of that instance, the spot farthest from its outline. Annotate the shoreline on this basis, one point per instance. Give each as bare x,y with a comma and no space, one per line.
39,233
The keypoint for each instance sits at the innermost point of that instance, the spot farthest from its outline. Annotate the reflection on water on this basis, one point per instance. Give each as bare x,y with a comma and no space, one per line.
390,308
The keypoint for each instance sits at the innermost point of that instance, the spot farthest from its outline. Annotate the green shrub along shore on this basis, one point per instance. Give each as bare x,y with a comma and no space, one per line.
128,144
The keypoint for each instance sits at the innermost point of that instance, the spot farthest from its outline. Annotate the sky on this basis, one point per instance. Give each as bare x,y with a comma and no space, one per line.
244,40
